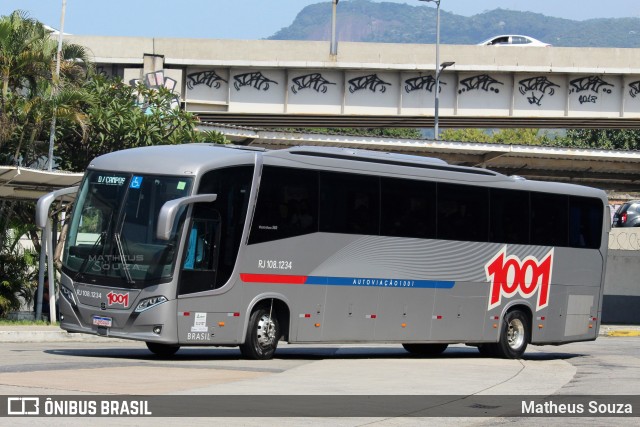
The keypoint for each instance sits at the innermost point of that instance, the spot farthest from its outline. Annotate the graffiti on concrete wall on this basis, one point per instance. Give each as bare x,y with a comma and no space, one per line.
635,88
254,79
209,78
371,82
482,82
422,82
535,88
313,81
590,84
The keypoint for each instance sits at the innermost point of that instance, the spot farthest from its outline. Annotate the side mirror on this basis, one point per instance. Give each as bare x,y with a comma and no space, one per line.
170,209
44,203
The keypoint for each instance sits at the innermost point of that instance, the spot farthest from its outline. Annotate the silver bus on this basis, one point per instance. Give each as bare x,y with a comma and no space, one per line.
209,245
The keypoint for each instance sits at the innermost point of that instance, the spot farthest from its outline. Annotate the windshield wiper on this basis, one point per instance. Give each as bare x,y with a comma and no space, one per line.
123,260
92,253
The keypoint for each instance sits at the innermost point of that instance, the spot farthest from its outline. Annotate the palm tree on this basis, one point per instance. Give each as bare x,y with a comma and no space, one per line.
20,64
32,93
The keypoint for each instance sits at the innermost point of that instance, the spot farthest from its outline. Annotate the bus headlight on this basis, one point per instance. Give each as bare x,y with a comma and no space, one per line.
68,295
148,303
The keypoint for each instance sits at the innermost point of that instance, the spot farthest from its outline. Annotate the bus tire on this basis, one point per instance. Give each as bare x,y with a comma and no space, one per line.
263,335
514,336
425,349
162,350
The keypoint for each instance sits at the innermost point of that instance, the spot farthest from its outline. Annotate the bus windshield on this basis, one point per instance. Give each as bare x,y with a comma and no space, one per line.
112,237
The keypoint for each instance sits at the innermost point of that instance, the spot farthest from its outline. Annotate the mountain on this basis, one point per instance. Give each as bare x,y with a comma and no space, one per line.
366,21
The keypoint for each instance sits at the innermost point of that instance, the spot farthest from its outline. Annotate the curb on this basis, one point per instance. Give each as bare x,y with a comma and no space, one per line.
619,331
25,335
622,333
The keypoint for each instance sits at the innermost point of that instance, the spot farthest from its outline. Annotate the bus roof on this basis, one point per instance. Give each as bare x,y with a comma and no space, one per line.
190,159
193,159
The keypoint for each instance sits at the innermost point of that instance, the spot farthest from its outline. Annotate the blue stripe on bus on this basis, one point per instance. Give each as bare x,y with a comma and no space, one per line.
376,282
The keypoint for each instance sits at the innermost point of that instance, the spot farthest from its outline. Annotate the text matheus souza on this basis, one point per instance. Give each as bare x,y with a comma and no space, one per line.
592,407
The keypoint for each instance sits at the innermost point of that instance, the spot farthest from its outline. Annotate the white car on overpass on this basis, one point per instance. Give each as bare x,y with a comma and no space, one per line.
513,40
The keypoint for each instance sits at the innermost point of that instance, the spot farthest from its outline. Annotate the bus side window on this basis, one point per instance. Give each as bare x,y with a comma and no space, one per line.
509,216
349,203
463,212
199,268
287,204
549,219
408,208
202,245
585,222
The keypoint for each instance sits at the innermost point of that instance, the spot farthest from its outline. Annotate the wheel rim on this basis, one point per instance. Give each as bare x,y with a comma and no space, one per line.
266,332
515,334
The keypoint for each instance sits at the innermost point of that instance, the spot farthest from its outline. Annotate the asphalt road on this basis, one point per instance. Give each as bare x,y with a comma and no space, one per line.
610,365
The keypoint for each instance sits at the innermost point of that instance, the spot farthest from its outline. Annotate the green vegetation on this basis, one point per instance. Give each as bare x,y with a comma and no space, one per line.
17,270
605,139
120,116
408,133
503,136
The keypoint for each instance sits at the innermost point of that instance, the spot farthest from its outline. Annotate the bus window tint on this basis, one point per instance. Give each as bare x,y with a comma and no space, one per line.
408,208
287,204
585,222
549,219
463,212
509,216
226,216
349,203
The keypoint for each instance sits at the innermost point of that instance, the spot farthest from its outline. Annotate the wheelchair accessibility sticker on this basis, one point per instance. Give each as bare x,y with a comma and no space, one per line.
136,182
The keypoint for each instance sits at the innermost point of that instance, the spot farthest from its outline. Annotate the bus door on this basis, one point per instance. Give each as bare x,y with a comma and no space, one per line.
206,316
200,263
196,321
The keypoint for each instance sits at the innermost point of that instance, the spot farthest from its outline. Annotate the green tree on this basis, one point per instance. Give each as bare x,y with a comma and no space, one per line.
123,116
465,135
501,136
406,133
31,90
17,271
606,139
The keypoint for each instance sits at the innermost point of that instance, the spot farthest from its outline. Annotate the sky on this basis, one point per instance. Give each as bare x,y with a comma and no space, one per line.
257,19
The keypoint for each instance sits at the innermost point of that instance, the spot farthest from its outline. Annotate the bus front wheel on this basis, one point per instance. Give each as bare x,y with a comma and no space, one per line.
162,350
263,335
425,349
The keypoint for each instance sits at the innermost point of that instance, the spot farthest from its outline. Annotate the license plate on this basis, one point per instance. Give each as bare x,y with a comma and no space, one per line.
105,322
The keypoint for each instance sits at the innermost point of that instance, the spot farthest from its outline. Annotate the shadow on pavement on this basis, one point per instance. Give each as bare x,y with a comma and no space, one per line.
294,353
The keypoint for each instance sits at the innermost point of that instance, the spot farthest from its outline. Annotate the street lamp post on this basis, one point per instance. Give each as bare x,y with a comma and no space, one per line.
436,105
439,68
52,136
334,42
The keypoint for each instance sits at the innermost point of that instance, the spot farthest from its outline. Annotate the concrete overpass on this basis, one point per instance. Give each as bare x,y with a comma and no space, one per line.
298,83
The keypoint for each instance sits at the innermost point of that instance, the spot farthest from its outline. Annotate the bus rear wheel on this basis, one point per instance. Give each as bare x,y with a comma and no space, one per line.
162,350
263,335
514,336
425,349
